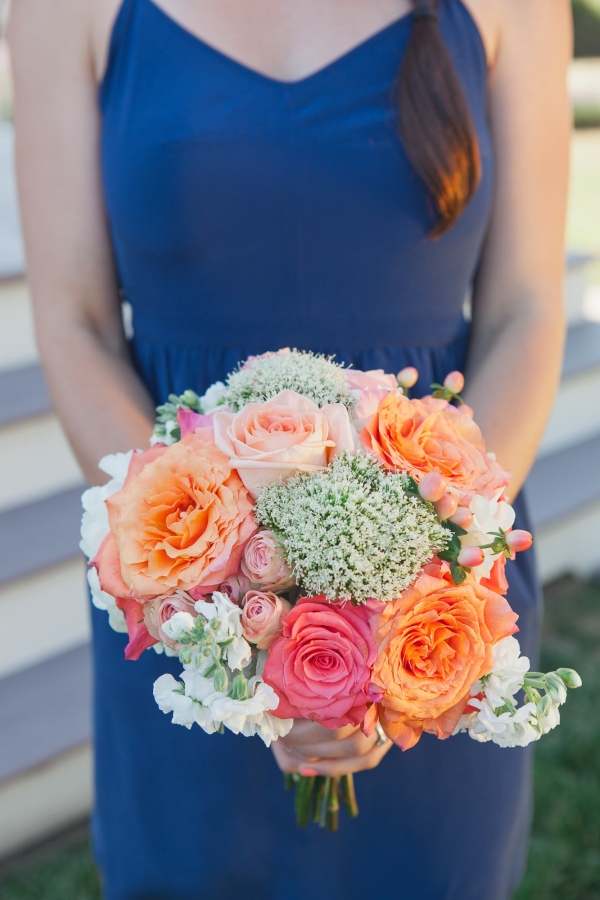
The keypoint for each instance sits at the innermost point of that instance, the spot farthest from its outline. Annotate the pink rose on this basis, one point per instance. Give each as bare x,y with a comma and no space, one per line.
188,420
162,609
269,441
371,387
262,562
261,617
236,586
320,667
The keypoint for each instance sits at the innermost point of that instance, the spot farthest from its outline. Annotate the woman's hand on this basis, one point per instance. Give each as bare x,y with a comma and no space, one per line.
312,749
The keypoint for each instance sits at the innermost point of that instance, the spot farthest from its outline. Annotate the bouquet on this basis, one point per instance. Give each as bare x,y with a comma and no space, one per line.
313,543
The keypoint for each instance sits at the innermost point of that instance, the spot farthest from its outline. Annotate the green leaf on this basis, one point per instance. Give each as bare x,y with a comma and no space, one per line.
459,573
452,526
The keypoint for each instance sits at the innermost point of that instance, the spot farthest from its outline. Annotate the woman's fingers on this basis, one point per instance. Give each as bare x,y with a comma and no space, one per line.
354,745
289,760
336,767
305,732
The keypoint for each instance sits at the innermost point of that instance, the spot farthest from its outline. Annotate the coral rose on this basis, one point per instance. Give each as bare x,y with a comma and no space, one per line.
270,441
180,521
320,667
429,435
433,644
261,617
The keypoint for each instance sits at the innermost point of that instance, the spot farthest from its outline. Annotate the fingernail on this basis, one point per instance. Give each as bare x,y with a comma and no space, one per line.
308,772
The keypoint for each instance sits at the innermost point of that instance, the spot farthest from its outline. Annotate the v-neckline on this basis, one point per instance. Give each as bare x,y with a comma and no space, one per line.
269,79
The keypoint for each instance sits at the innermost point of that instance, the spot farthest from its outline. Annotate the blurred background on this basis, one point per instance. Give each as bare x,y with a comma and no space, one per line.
45,754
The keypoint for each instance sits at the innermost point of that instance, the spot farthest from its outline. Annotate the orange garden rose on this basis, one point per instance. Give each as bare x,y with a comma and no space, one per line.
180,521
433,643
429,435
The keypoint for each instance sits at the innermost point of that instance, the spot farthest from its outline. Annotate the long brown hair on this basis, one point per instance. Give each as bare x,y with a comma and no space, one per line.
435,122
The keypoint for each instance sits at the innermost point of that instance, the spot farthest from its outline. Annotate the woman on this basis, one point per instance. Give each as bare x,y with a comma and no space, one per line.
333,175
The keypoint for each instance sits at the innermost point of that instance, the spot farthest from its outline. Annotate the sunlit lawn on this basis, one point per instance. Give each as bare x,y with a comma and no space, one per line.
583,227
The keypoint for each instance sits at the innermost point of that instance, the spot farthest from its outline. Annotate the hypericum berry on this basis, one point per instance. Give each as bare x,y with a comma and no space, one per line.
432,487
407,377
470,557
519,540
463,517
446,506
454,382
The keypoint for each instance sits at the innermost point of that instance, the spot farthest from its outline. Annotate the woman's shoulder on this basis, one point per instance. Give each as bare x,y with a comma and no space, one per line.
516,21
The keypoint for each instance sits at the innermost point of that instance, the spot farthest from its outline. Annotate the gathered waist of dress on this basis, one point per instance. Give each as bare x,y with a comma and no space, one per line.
316,334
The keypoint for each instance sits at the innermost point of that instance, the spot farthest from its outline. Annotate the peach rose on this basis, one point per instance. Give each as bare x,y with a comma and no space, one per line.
181,520
164,608
270,441
429,435
261,617
433,643
370,388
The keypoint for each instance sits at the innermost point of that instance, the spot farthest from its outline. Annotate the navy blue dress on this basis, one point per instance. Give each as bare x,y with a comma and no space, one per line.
248,214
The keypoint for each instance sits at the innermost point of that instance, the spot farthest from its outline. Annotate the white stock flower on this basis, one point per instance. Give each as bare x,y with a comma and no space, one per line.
508,673
170,697
507,729
239,652
251,716
94,522
210,402
102,600
488,517
166,438
178,623
551,719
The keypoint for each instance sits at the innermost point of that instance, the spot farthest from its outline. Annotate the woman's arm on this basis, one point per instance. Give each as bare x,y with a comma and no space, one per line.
518,314
100,400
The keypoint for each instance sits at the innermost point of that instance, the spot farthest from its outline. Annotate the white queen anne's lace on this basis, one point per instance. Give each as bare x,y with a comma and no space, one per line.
313,376
351,531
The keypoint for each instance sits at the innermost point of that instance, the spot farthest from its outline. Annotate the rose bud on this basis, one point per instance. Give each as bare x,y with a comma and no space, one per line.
570,677
455,382
471,557
519,540
261,617
408,377
446,506
432,487
463,517
262,562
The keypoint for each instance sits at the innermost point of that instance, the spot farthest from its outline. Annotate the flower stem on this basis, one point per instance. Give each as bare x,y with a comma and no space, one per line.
318,798
324,803
288,781
333,806
304,789
349,795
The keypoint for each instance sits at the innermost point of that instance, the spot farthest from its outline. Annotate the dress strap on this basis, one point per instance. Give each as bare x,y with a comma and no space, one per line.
120,27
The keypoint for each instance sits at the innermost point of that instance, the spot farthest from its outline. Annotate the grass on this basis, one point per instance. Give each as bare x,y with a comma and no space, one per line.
564,859
63,869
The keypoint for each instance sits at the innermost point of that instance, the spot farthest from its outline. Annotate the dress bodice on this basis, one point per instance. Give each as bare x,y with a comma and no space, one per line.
241,205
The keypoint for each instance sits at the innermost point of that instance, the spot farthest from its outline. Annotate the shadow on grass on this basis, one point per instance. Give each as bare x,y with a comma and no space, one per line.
564,859
62,869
